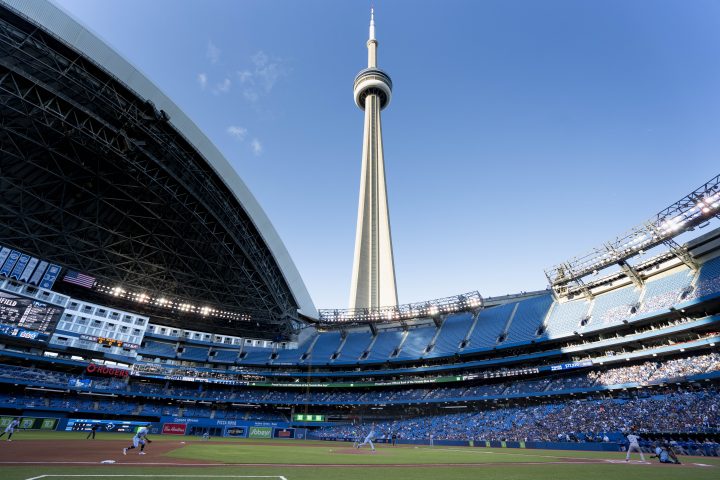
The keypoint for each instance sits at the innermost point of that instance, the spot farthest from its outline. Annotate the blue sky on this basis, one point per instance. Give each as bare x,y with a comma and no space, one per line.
521,133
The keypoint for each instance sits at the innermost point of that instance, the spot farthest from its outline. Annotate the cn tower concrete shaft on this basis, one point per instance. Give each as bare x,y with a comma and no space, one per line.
373,279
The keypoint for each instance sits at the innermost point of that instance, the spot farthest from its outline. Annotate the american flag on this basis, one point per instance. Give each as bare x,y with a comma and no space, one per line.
79,279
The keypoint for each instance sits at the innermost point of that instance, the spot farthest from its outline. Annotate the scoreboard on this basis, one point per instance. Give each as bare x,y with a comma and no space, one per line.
27,318
84,425
300,417
110,342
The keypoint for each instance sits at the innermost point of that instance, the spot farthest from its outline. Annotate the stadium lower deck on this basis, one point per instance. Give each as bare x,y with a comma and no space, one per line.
589,389
69,455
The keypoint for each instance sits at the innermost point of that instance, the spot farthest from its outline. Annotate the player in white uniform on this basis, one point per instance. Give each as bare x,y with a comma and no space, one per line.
10,429
634,446
140,438
368,439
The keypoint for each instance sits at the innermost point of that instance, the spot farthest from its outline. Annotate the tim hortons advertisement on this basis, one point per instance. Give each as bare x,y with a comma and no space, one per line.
174,428
106,371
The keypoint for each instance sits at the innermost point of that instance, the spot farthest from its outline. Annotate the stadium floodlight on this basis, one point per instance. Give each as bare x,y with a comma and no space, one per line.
696,208
431,308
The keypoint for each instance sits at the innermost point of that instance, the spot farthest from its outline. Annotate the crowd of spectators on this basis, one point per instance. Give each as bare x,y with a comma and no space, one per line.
679,412
649,372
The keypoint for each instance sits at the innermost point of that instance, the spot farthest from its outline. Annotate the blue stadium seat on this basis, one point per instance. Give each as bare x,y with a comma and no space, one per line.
565,318
325,346
612,307
708,281
290,356
385,344
453,331
194,354
415,344
664,292
528,317
158,349
355,345
224,356
254,356
490,324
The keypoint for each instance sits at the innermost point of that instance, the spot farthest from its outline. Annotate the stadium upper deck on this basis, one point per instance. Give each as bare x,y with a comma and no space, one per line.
104,175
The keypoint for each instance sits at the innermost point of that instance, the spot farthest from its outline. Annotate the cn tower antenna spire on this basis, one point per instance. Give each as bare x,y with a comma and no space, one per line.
373,280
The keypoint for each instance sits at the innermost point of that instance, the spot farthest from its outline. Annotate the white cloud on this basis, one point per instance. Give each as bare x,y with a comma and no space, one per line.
238,132
251,95
256,146
222,87
262,77
267,71
245,76
212,53
202,80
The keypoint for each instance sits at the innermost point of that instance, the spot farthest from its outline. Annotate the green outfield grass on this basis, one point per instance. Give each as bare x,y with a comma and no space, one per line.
322,460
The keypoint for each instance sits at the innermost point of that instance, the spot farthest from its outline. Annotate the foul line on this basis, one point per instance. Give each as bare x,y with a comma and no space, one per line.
169,476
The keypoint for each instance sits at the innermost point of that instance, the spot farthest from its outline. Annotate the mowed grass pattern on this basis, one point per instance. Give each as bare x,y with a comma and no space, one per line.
303,460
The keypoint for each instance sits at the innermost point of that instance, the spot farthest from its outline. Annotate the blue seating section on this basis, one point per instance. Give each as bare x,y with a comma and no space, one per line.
665,292
194,354
489,326
387,341
708,281
326,345
452,332
158,349
355,345
607,307
225,356
292,355
528,317
565,318
416,342
521,319
255,356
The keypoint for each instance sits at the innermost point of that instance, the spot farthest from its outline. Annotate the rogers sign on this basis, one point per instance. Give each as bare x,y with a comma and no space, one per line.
107,371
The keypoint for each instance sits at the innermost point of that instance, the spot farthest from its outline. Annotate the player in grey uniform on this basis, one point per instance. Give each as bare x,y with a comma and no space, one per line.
369,439
634,446
10,429
140,439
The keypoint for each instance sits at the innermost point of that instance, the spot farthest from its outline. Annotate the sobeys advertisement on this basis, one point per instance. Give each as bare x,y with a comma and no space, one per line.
260,432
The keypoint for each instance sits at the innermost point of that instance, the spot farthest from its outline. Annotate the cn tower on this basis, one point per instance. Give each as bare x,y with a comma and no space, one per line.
373,278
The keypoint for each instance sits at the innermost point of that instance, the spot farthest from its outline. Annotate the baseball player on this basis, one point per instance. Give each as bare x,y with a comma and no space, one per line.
634,446
93,430
10,429
369,439
140,438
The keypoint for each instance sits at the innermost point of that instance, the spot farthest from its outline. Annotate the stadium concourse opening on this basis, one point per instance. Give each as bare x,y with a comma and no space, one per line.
153,325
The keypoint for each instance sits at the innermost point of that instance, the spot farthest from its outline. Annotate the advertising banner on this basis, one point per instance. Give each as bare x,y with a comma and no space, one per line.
284,433
30,423
260,432
84,425
234,431
174,428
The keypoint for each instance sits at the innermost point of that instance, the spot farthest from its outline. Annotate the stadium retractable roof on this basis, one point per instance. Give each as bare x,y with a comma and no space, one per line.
102,173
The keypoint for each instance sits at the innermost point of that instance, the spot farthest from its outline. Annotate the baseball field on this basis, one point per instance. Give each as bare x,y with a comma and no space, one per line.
68,456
